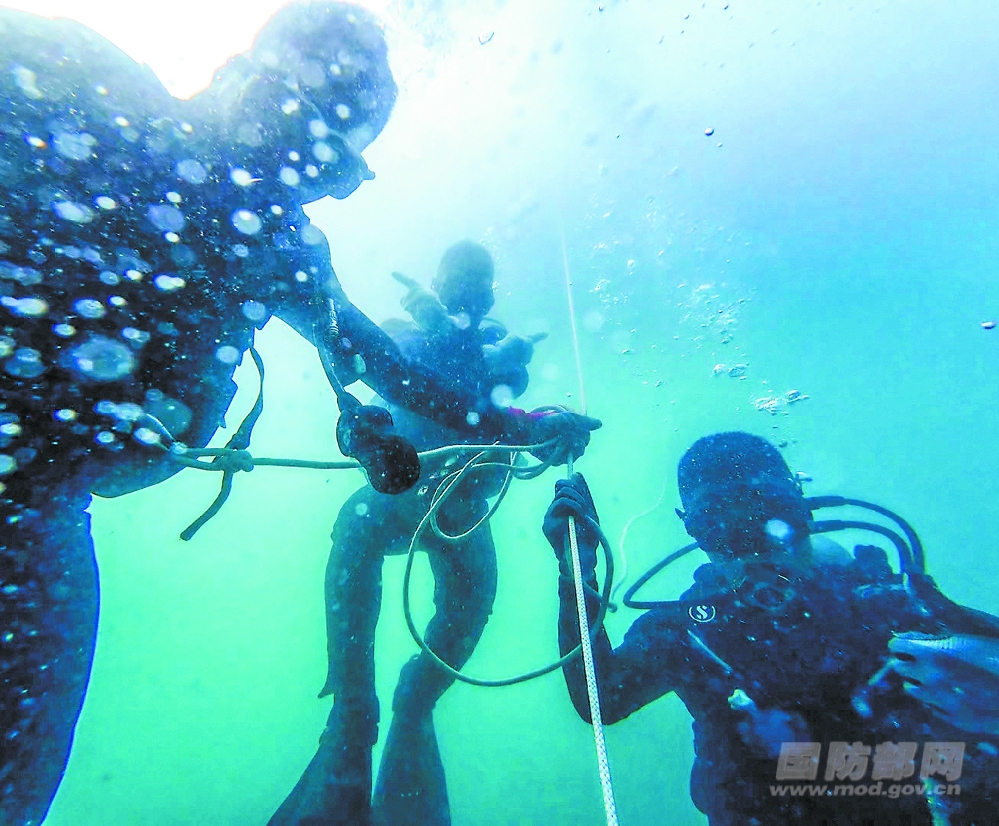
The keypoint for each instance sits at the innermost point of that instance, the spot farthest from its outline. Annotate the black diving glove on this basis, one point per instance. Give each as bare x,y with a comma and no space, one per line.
572,498
390,462
572,431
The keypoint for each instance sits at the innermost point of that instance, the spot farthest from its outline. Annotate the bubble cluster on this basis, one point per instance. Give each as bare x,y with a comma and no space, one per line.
168,283
28,307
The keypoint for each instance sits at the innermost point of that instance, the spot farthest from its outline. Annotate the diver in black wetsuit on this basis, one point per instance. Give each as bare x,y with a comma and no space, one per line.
448,337
785,638
142,240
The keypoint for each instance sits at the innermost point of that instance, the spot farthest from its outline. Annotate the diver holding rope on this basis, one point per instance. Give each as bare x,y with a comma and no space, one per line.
450,337
787,638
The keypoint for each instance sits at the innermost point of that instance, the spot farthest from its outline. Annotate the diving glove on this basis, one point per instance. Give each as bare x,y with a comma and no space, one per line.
572,498
390,462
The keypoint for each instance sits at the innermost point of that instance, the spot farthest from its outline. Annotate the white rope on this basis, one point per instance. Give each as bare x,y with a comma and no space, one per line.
610,808
592,691
572,319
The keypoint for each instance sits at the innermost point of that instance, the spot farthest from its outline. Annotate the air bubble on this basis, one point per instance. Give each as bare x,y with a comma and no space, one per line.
89,308
136,337
227,354
166,217
169,283
26,363
147,436
289,176
501,396
246,222
102,359
26,307
192,171
254,310
75,147
324,152
240,177
71,211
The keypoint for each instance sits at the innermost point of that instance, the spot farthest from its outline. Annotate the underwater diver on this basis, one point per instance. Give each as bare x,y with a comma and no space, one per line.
143,239
449,336
786,637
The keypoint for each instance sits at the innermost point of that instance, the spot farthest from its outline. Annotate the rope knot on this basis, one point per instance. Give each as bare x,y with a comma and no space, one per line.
235,460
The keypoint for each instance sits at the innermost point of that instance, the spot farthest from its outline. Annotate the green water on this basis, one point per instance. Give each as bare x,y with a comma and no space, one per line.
837,234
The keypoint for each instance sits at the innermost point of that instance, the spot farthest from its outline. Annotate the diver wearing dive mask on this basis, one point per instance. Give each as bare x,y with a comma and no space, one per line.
446,336
777,641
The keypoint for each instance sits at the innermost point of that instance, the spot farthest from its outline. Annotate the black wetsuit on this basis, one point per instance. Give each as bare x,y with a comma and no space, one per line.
336,788
800,640
142,240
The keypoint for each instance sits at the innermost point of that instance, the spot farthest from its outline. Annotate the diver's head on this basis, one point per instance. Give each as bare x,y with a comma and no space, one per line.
739,496
464,281
311,93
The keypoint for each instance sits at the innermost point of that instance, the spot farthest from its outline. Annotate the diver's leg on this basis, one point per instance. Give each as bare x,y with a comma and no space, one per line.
48,625
411,785
336,786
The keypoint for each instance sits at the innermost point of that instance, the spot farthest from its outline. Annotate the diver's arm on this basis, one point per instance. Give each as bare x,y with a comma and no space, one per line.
353,348
637,672
630,676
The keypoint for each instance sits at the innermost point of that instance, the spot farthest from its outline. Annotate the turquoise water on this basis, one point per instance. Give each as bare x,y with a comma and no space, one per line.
836,234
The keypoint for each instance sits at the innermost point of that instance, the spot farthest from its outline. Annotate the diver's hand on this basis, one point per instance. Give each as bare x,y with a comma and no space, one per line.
366,433
957,677
572,498
418,300
572,430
